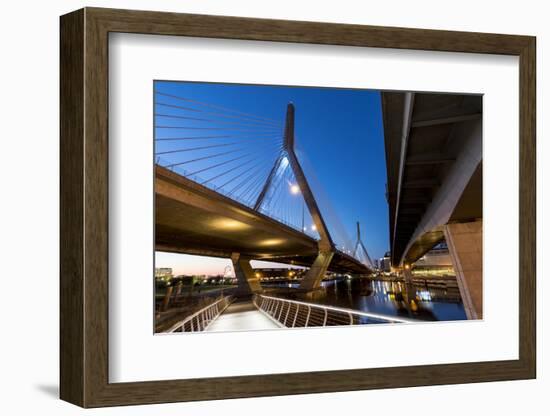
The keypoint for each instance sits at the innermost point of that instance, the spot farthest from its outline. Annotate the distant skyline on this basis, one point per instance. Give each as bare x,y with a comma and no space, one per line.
199,265
340,144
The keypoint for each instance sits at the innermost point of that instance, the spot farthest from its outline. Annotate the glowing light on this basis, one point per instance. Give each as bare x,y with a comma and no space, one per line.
228,224
271,242
313,227
424,295
294,189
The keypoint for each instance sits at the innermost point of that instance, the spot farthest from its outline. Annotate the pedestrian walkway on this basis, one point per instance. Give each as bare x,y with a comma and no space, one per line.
242,316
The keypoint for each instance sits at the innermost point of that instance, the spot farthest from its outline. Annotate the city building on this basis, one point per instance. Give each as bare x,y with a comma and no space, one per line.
437,261
163,273
384,263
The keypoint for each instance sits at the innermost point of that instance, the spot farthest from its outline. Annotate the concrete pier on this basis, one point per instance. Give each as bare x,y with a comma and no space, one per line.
465,242
247,280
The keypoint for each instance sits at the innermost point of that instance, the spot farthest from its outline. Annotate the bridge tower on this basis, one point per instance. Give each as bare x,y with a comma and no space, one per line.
326,249
359,245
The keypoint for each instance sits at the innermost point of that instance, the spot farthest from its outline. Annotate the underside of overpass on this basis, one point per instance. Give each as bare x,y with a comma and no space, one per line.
427,139
193,219
433,145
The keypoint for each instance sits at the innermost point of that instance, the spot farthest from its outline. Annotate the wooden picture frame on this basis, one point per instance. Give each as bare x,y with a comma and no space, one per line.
84,207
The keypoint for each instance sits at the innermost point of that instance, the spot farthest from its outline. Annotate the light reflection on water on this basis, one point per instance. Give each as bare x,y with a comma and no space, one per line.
431,302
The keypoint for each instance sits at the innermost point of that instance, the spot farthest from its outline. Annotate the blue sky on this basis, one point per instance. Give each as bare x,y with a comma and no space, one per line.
340,143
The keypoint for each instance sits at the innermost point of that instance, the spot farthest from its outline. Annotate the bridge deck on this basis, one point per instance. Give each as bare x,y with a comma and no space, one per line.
193,219
242,316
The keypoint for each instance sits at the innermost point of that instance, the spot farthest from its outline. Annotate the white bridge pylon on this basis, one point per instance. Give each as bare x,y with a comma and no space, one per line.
359,245
287,158
317,271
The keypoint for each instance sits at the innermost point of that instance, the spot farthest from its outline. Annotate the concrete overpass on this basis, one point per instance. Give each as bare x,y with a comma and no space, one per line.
193,219
433,145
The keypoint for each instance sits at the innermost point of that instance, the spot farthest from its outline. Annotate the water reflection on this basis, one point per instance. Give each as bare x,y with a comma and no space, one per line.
429,300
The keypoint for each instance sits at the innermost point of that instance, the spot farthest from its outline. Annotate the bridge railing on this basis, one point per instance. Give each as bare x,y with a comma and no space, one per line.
200,320
296,314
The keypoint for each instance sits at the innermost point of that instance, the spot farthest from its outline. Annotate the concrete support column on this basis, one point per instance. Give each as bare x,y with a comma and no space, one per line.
246,280
179,287
167,296
465,242
410,290
407,274
314,276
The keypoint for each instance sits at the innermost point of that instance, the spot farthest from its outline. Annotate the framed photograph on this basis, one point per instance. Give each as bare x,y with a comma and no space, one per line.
255,207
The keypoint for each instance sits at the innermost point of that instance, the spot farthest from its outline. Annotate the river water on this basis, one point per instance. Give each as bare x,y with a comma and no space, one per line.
437,301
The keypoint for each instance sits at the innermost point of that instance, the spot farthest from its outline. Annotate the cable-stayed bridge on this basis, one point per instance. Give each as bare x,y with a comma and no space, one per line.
229,184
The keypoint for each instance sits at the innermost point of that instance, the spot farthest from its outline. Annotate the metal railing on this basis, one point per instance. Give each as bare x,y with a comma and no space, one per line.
297,314
200,320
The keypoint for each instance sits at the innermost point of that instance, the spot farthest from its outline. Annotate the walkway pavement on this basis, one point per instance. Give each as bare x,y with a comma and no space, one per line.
242,316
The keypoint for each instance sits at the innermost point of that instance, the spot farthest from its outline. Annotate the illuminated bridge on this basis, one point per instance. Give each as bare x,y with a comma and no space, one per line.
229,184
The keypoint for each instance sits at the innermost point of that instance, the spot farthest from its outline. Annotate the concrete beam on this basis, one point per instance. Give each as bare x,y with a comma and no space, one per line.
421,184
407,119
429,159
421,199
446,120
